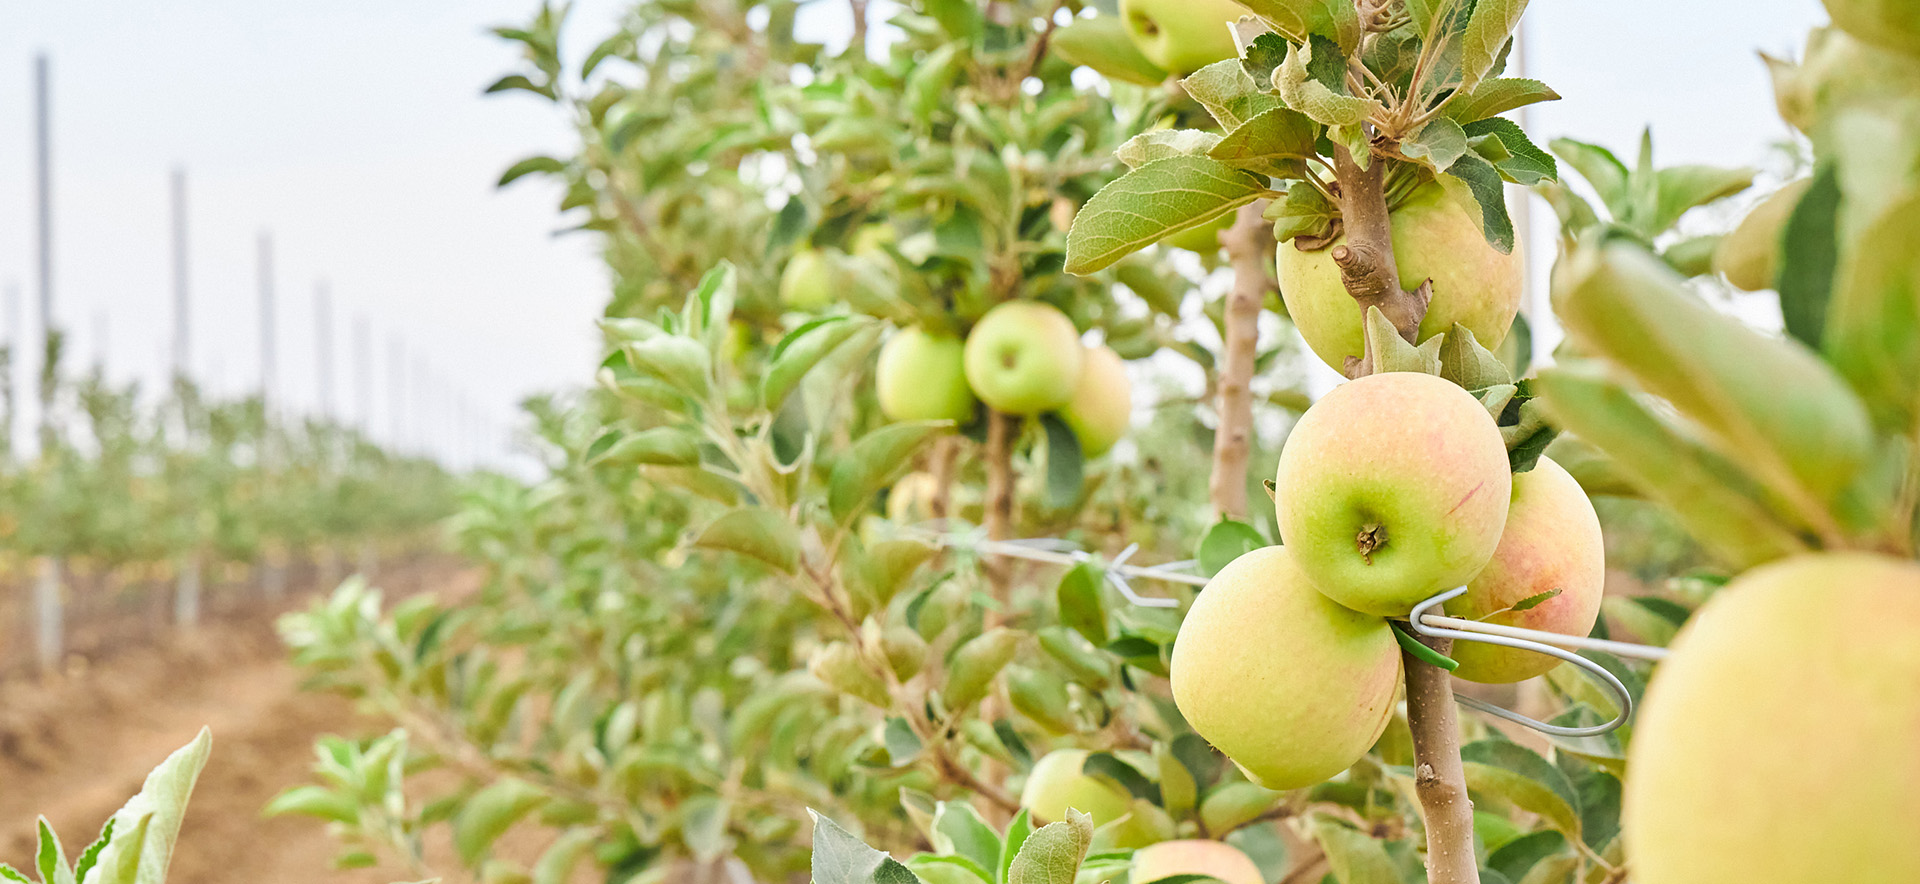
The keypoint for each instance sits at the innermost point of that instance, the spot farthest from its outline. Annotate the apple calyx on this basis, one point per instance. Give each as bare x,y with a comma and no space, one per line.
1370,538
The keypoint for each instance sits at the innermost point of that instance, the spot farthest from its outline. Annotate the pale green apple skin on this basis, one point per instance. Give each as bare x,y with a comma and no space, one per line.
923,377
1202,239
1408,453
1893,24
1291,686
1552,542
1024,358
1437,235
1057,783
1102,404
1781,740
1183,36
807,281
1194,856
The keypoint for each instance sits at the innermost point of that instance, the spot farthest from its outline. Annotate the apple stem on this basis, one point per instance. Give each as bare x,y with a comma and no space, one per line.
999,514
1367,266
1439,779
1249,245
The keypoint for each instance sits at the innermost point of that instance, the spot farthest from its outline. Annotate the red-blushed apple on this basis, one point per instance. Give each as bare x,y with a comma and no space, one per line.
1291,686
1182,36
1781,740
1023,358
1102,405
1194,856
1551,543
923,377
1391,489
1437,235
806,283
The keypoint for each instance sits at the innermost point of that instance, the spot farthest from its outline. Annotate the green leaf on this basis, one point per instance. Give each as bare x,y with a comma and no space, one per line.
876,461
1427,655
1693,255
669,446
1534,601
1604,172
1141,207
1522,162
1225,541
12,874
1109,767
51,859
1516,857
840,858
958,829
1235,803
1066,467
1464,362
976,664
1390,352
1684,187
148,825
1229,94
316,801
1873,323
1309,96
1018,831
679,362
1485,183
934,869
489,813
557,862
1485,39
1159,144
1600,795
1514,773
1101,43
1526,430
1082,599
1053,854
1437,145
1335,20
1304,212
756,533
806,347
1497,96
1810,257
1354,856
529,166
90,857
516,81
1275,135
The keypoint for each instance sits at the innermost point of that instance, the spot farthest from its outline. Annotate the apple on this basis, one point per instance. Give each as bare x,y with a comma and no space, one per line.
873,237
1023,358
1182,36
922,377
1892,24
1102,405
1437,235
910,500
1781,740
1194,856
807,281
1203,238
1750,256
1057,783
1391,489
1291,686
1551,542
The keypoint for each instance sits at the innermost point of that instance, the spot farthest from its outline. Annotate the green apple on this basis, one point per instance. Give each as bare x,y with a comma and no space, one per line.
1023,358
1391,489
1551,543
1182,36
1101,42
1194,856
807,281
1057,782
1102,405
1202,238
1781,740
1893,24
871,238
1291,686
922,377
1750,256
1436,235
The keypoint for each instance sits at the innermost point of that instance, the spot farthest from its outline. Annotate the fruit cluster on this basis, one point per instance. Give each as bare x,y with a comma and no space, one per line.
1391,489
1022,358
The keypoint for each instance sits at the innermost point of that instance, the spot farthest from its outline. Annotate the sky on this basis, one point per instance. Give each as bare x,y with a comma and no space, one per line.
355,133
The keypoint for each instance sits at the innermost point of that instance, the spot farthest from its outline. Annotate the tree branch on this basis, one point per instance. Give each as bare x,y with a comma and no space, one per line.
1249,244
999,510
1367,266
1438,777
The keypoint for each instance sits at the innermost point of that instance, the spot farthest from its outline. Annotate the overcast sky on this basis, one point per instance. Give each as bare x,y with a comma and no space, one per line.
355,132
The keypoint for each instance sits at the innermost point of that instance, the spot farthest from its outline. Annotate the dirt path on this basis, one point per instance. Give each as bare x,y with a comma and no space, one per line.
75,747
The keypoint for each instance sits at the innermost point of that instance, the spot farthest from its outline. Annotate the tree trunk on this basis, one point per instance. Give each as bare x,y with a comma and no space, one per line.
1438,777
1367,266
1249,244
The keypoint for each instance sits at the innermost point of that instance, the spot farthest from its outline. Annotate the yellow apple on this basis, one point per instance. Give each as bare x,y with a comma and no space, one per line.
1023,358
1102,403
1437,235
1182,37
1780,742
807,281
1194,856
1391,489
923,377
1551,542
1291,686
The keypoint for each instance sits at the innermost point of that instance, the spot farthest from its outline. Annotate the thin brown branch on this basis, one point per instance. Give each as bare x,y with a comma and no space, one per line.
1439,779
941,463
1249,245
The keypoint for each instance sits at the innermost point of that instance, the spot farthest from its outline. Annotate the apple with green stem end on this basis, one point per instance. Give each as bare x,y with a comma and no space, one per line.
1290,685
1194,856
1780,741
1182,37
1391,489
1551,544
1436,235
1024,358
1102,404
807,281
922,376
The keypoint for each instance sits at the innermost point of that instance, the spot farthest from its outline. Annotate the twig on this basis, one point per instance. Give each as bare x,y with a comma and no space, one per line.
1249,246
1439,778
